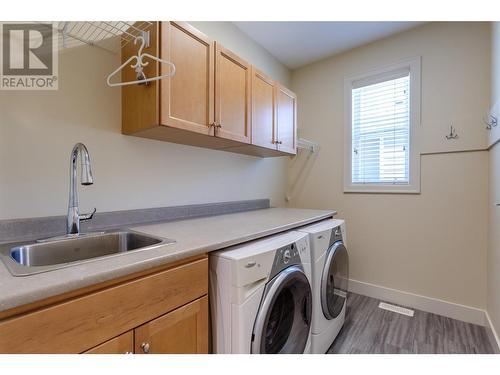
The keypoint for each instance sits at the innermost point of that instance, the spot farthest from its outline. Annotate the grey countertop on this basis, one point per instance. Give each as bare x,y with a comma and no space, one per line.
193,237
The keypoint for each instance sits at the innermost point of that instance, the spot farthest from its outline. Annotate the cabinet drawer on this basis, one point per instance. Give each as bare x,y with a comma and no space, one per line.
82,323
123,344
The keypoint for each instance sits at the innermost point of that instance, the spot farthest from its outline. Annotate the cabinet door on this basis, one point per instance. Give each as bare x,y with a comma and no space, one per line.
263,113
123,344
187,98
286,120
232,96
182,331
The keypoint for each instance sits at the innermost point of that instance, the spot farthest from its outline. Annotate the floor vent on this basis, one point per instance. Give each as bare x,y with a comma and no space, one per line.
396,309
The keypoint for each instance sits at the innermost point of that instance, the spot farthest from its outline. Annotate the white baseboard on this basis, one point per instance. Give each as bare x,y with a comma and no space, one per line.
492,333
433,305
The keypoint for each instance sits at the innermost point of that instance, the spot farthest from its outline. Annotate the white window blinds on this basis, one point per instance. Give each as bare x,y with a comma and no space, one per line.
381,130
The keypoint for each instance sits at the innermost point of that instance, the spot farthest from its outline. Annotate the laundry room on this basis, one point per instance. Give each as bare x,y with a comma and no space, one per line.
290,181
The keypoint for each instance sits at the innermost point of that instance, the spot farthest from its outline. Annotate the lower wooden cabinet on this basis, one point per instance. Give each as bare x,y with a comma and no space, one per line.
166,308
183,331
123,344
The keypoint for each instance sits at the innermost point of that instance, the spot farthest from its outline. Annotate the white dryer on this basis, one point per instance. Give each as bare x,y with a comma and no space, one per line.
330,274
261,296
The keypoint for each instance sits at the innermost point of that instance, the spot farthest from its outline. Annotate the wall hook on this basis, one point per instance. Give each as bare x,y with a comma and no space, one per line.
491,122
453,134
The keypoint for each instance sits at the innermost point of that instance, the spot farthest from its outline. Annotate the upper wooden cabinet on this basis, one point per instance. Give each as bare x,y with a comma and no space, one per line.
215,99
263,110
187,99
232,96
286,119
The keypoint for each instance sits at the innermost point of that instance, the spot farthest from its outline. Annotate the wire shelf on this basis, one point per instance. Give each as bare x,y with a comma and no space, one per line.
102,34
305,144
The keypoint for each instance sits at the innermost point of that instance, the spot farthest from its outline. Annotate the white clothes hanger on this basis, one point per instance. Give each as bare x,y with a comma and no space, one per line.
138,67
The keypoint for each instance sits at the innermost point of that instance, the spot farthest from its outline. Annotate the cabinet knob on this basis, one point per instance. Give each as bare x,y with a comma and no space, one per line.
145,347
218,126
212,125
278,142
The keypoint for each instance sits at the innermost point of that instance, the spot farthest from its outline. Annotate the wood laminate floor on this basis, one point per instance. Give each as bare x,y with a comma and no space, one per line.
369,329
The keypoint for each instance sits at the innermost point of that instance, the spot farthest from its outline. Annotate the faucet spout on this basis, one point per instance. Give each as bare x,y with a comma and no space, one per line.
74,217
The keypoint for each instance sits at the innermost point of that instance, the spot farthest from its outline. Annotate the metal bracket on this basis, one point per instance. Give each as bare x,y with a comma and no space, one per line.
492,122
453,134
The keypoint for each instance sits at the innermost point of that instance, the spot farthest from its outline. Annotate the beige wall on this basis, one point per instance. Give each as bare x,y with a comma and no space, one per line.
494,134
431,244
38,130
493,259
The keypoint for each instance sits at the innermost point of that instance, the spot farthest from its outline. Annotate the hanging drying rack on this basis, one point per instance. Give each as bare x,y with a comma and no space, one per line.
103,34
303,160
305,144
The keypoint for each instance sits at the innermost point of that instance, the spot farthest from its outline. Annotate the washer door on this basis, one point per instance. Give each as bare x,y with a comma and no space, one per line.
334,280
283,322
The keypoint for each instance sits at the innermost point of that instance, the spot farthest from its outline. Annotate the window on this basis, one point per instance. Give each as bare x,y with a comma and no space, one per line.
382,119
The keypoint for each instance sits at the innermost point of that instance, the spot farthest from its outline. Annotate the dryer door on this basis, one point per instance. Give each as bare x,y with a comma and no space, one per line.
334,280
283,321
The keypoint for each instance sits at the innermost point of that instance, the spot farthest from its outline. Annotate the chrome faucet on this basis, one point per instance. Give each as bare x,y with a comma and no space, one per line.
74,217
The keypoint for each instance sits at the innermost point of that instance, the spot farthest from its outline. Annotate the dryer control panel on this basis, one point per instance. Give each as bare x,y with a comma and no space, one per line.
336,235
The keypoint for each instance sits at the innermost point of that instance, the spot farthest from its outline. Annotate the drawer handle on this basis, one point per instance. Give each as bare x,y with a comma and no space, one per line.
145,347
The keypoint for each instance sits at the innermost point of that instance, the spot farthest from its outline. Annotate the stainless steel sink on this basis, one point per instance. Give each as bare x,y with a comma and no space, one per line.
32,258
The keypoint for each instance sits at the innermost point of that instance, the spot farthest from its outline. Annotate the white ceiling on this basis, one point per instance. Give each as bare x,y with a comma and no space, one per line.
299,43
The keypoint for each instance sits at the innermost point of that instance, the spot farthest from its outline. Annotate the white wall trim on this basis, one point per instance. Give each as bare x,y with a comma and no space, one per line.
433,305
492,333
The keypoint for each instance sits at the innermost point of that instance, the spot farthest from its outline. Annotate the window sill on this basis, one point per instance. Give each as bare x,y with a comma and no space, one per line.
385,189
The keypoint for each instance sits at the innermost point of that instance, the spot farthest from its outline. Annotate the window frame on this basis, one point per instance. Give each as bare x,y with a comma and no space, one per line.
379,75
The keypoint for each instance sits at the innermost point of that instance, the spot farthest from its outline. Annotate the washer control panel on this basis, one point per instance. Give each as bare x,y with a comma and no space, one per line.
291,254
286,256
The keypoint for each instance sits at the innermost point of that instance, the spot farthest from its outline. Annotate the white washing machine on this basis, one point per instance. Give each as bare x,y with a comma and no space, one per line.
330,275
261,296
